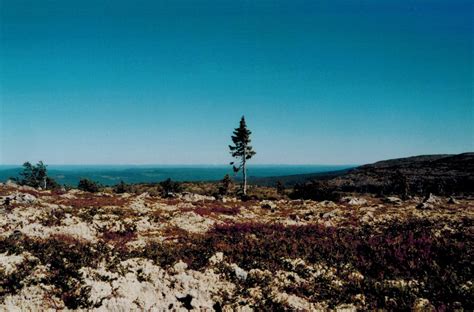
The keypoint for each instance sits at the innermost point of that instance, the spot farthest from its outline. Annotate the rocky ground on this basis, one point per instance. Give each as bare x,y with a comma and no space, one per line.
124,252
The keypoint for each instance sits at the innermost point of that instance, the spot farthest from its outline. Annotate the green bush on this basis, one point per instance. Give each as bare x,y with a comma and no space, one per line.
280,187
36,176
87,185
226,185
122,187
169,187
315,190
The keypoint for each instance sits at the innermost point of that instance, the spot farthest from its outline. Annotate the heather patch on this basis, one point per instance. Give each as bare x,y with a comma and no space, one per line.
112,251
410,250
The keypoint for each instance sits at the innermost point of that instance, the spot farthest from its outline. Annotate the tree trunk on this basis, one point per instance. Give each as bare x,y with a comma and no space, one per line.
244,172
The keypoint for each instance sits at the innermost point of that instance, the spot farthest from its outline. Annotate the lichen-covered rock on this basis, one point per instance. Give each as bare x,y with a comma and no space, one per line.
192,222
18,198
354,201
422,305
216,259
11,184
393,200
113,252
331,214
145,286
266,204
431,199
8,262
452,201
191,197
32,298
240,273
327,203
424,206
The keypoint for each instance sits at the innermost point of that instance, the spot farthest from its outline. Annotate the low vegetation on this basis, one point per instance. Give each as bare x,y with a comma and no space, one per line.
85,250
36,176
88,185
170,187
319,245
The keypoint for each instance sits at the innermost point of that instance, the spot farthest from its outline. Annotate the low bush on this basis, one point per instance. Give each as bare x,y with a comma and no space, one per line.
121,237
217,209
93,200
412,250
64,256
54,218
315,190
36,176
122,187
226,185
169,187
87,185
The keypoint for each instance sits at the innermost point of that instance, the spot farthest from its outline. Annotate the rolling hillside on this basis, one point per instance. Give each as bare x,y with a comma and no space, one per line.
446,174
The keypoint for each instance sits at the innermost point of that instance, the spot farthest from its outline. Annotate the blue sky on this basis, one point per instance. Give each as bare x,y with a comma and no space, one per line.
165,82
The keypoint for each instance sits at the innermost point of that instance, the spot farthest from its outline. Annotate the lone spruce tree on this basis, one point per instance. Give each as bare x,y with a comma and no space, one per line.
242,150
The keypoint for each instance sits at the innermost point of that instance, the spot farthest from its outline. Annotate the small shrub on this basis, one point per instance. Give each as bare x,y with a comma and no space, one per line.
226,185
121,237
280,188
169,187
36,176
88,214
54,218
87,185
315,190
122,187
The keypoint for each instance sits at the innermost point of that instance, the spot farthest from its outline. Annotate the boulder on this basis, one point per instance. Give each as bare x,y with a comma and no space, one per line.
329,215
424,206
27,188
191,197
180,267
10,183
452,201
240,273
354,201
431,199
368,217
327,203
217,258
226,199
393,200
18,198
266,204
422,304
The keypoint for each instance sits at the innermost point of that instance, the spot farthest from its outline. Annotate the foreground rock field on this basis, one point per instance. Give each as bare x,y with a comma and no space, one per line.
123,252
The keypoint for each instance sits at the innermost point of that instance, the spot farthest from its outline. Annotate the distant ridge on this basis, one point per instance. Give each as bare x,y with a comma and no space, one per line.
444,173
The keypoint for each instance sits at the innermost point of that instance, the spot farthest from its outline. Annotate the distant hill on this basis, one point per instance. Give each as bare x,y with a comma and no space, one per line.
443,174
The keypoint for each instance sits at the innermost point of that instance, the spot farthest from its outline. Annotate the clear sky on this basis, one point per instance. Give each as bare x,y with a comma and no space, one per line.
165,82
